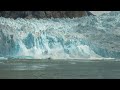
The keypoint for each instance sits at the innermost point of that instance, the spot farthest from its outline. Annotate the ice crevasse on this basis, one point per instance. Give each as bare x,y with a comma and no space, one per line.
61,38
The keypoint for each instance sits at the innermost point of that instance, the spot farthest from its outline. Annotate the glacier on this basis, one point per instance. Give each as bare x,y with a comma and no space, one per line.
61,38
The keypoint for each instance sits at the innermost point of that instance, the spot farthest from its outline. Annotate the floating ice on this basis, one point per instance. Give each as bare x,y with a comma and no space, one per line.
86,37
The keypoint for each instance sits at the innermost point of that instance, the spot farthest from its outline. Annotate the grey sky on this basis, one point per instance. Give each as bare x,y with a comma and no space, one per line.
99,12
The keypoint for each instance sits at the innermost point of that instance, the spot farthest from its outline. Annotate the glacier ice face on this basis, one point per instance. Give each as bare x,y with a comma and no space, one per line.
65,38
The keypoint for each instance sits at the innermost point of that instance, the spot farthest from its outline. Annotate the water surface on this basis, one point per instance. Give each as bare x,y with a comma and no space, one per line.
59,69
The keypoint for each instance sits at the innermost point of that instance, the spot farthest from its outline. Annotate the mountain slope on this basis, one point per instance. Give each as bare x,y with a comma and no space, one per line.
42,14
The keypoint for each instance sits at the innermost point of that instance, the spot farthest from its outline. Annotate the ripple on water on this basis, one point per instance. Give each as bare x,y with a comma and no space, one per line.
30,67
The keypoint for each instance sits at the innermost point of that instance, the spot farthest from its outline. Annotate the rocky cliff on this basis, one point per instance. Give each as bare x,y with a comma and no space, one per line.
43,14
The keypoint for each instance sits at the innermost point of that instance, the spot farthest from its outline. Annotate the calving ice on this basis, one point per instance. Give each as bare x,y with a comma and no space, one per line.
61,38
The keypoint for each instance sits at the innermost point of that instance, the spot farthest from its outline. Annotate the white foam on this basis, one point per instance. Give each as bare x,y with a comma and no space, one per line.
3,58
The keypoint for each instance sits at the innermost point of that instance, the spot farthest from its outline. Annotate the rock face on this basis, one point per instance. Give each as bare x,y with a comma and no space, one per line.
43,14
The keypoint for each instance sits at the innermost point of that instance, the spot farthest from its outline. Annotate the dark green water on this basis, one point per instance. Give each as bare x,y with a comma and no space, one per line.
59,69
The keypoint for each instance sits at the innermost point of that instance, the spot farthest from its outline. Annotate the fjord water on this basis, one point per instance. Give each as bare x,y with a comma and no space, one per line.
59,69
59,45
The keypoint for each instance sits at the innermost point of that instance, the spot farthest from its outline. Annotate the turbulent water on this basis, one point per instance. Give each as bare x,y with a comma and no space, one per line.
87,37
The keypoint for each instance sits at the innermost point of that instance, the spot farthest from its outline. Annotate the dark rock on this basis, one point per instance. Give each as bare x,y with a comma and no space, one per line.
49,58
43,14
89,13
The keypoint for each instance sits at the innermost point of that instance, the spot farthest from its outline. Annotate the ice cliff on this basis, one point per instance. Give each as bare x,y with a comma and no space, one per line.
61,38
